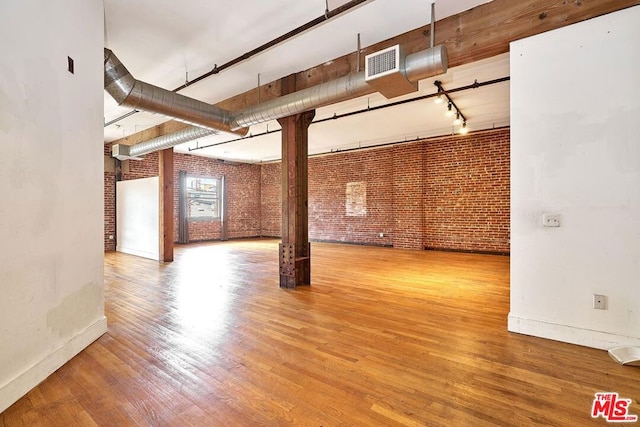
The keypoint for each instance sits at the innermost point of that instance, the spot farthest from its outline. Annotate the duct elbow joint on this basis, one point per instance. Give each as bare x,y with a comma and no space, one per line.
122,152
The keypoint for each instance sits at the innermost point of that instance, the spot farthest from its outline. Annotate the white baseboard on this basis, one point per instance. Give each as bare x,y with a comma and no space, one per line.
31,377
139,252
569,334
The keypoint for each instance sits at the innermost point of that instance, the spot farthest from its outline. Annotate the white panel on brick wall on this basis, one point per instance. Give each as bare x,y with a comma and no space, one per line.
575,153
356,194
138,217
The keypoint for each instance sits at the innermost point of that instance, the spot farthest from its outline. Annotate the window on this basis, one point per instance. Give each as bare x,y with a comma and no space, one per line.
203,197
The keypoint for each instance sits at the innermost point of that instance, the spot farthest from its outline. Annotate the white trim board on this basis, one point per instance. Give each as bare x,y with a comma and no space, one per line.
23,383
569,334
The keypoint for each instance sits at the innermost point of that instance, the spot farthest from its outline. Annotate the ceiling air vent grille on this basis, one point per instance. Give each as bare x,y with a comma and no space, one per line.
384,71
382,62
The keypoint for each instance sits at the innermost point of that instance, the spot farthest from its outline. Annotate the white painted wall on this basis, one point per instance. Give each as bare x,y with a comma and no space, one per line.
138,217
575,150
51,189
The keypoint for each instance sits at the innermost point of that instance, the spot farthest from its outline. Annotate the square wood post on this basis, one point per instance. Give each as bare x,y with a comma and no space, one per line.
165,168
295,251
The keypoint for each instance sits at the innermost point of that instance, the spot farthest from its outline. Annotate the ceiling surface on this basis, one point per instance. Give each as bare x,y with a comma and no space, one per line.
166,43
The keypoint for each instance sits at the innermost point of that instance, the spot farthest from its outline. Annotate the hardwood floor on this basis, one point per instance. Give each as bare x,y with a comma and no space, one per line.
383,337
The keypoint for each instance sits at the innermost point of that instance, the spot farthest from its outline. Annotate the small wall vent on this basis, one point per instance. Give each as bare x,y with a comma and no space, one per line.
384,71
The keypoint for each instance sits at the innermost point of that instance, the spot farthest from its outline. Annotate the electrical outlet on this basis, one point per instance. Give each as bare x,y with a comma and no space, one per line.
110,236
599,302
381,235
551,220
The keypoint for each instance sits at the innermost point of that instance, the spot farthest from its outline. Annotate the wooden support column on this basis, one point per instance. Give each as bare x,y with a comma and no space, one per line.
295,251
165,168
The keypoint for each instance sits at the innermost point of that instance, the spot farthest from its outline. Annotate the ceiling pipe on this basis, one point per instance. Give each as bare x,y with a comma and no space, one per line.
328,15
474,85
133,152
417,66
127,91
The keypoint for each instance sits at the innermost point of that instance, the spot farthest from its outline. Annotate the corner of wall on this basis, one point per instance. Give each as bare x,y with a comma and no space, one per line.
34,375
569,334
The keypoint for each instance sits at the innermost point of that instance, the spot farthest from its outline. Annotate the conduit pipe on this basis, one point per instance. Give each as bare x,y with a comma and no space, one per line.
127,91
328,15
417,66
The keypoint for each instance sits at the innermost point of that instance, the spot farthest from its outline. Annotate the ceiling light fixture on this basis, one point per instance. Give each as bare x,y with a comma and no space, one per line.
452,108
449,111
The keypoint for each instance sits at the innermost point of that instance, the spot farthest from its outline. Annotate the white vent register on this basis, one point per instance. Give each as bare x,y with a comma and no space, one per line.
384,71
383,62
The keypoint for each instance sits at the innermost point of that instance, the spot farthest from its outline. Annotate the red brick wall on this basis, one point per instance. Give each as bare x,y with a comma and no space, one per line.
408,184
242,181
271,200
243,195
328,179
449,193
137,169
109,206
466,196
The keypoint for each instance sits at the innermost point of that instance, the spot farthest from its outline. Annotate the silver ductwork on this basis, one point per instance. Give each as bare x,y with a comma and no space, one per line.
353,85
384,71
133,152
128,91
417,66
426,63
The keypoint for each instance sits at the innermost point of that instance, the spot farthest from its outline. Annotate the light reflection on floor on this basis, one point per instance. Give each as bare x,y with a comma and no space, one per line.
204,295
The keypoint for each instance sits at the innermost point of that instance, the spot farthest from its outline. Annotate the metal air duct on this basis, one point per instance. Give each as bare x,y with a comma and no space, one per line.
417,66
414,67
133,152
128,91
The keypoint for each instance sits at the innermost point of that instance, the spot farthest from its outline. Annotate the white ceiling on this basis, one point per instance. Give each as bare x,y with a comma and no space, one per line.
160,41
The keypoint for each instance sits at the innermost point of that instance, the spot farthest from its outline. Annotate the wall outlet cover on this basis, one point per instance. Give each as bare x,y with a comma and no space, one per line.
551,220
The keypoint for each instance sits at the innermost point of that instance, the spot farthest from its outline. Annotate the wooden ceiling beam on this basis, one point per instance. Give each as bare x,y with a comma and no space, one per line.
153,132
479,33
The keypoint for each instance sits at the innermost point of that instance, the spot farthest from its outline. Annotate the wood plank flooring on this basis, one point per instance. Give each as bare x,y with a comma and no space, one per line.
383,337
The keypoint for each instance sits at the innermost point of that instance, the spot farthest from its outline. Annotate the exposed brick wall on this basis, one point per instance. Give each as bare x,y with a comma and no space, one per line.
466,196
109,206
328,179
243,195
137,169
242,182
408,184
271,200
448,193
